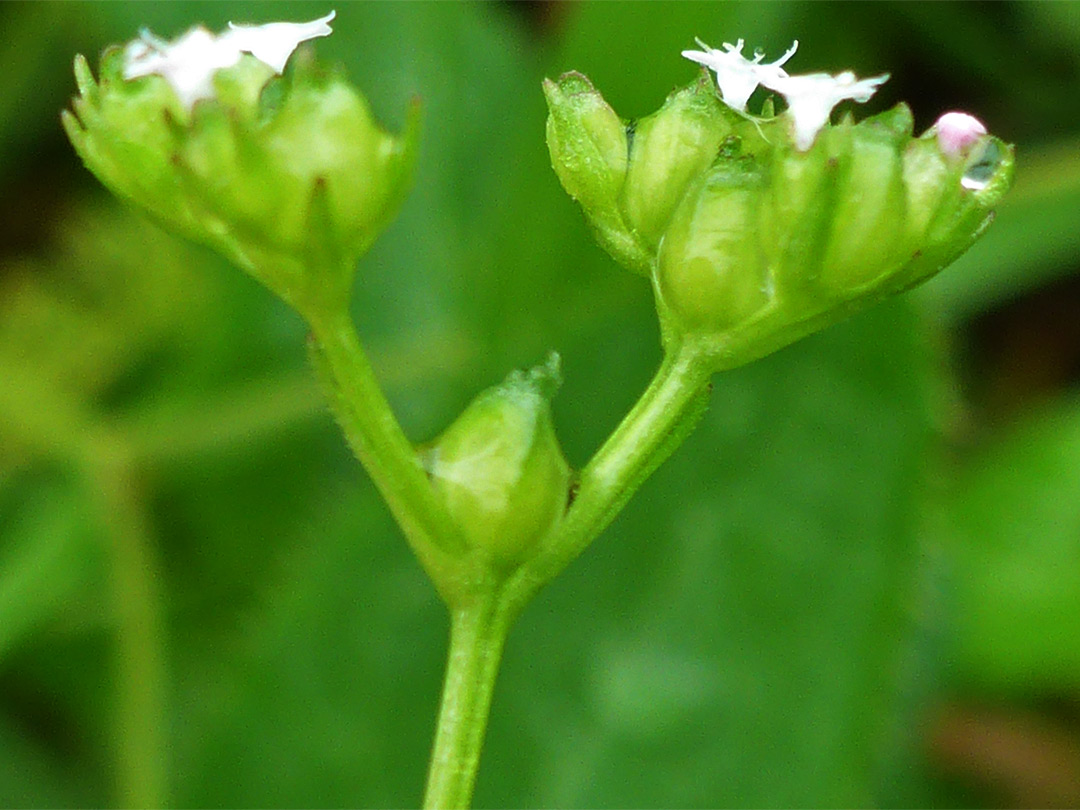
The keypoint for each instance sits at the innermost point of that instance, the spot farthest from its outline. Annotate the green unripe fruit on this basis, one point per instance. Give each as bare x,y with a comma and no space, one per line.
629,185
670,149
500,470
712,270
291,180
868,237
587,141
588,146
761,230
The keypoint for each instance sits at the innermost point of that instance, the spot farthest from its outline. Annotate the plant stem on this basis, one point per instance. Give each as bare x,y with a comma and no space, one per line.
142,770
380,444
54,425
658,423
477,635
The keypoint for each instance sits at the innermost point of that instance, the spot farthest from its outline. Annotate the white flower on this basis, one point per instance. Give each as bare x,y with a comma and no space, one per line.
811,98
190,62
736,76
274,43
956,131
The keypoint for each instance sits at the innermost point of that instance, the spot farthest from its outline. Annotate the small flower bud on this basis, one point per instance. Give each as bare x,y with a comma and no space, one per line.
292,181
499,467
670,148
588,146
957,132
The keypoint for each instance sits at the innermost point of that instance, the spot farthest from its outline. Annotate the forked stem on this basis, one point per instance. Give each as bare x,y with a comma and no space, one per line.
657,424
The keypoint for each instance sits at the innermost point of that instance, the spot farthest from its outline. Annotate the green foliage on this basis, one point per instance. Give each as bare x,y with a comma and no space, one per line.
1014,541
758,627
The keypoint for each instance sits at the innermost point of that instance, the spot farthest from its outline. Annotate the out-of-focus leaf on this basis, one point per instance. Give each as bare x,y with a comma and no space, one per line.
52,578
1013,549
324,690
32,778
47,557
90,311
972,43
1054,22
34,50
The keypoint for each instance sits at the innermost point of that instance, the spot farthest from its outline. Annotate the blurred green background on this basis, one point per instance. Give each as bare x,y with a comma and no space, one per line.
857,584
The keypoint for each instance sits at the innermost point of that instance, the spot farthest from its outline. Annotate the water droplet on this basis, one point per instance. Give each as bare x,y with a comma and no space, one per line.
982,166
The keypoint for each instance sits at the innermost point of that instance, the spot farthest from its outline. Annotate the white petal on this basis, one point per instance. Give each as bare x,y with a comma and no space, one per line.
274,43
701,57
790,52
860,90
811,98
736,76
190,62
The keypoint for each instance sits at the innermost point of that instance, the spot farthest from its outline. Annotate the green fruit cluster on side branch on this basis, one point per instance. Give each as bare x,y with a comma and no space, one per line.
751,242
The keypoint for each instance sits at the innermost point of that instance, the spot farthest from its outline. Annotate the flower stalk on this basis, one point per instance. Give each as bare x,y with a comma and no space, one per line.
478,633
376,437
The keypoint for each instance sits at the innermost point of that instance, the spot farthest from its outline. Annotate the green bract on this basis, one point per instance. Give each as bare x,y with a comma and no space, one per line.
499,467
292,180
751,242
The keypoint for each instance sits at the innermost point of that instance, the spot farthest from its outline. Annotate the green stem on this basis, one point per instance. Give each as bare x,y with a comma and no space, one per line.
381,446
477,635
52,424
658,423
142,772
